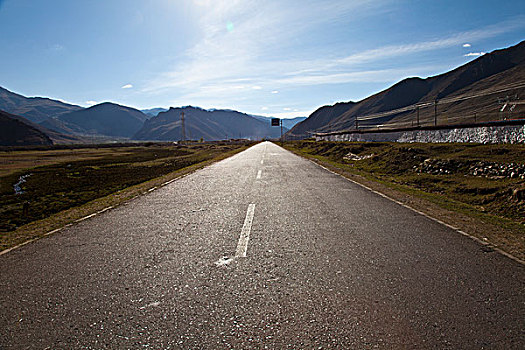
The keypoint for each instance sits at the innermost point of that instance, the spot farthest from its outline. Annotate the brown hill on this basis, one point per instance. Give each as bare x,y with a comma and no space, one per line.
14,131
321,117
108,119
209,124
35,109
488,73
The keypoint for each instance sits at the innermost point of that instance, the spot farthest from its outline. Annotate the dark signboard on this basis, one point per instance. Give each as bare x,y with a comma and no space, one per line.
276,122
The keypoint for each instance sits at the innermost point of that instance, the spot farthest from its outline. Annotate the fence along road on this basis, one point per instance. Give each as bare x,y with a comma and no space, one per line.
296,257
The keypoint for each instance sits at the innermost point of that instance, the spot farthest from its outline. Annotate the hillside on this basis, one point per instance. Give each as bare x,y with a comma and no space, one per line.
152,112
106,119
14,131
487,73
207,124
288,123
35,109
318,119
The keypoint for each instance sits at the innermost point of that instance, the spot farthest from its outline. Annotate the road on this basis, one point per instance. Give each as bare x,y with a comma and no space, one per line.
261,250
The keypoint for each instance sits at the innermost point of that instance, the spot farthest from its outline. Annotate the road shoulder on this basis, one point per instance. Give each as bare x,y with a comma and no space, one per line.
492,237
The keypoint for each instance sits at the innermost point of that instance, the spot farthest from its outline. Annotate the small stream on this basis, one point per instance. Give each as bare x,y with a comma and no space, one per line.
21,180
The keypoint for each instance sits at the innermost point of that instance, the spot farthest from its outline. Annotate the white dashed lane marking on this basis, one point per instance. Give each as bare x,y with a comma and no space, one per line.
242,246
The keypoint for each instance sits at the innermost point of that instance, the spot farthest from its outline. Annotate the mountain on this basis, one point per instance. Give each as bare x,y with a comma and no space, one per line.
152,112
487,73
17,131
288,123
207,124
318,119
108,119
35,109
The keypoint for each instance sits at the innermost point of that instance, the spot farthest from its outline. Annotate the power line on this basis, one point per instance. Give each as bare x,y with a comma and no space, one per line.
442,101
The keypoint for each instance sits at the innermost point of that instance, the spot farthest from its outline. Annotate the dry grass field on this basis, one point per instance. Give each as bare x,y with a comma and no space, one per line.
61,184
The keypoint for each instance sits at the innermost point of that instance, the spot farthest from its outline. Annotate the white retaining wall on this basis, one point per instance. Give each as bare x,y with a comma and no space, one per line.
485,134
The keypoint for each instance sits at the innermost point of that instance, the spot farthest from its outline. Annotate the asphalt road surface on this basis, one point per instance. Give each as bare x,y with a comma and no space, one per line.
261,250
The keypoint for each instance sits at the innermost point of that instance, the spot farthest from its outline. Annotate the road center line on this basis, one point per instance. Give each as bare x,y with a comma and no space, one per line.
242,246
259,173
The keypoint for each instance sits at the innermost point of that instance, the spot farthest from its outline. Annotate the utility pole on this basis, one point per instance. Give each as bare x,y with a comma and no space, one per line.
183,132
281,132
435,112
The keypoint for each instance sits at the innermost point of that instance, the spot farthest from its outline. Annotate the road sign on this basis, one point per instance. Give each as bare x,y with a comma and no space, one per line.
276,122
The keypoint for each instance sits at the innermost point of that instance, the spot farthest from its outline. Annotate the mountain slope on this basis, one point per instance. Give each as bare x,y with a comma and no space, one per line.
152,112
288,123
496,69
318,119
107,119
35,109
15,131
207,124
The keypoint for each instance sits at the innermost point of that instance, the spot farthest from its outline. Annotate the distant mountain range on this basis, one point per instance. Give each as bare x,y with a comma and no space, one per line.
152,112
60,122
288,123
206,124
35,109
486,73
37,120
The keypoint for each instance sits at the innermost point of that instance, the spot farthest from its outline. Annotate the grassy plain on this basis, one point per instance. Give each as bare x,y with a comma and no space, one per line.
65,184
439,179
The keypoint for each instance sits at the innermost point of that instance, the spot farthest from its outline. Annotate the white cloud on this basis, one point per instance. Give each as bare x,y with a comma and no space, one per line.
264,108
467,45
91,103
57,47
228,67
127,86
65,101
408,49
287,109
474,54
261,29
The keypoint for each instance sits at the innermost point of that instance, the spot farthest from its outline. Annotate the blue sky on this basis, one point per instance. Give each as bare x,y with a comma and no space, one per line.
277,57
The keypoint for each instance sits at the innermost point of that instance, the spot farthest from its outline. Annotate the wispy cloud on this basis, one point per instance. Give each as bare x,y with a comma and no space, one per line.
253,55
91,103
470,54
261,29
127,86
467,45
56,49
408,49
